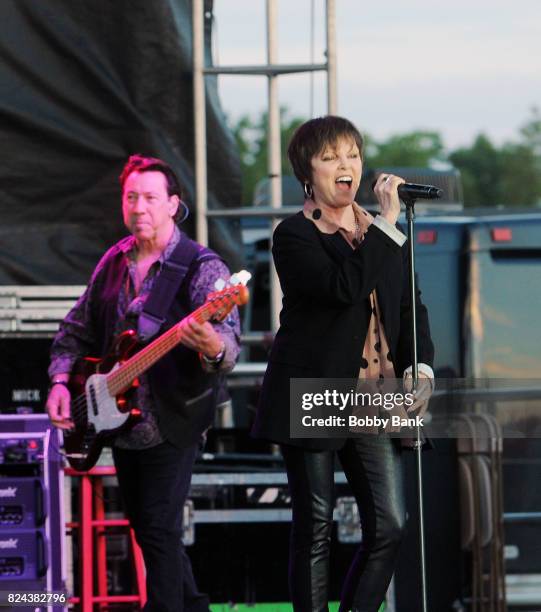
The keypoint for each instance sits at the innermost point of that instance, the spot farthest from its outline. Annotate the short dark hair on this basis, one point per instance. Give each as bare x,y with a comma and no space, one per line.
313,136
139,163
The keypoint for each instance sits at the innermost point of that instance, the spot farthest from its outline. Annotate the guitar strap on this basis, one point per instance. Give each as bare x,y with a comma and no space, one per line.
174,271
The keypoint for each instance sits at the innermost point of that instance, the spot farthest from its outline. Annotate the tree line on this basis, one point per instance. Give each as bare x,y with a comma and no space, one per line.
508,174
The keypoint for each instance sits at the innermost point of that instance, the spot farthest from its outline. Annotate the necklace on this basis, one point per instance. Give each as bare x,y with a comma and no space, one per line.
357,232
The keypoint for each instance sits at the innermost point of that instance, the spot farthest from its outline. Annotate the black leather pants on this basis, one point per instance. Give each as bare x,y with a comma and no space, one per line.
373,468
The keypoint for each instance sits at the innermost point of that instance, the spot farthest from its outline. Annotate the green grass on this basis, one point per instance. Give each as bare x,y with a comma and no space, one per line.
267,607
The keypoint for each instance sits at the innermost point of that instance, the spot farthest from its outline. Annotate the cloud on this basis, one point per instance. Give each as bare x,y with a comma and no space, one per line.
458,67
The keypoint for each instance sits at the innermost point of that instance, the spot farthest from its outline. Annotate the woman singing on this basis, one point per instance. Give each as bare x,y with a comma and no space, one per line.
346,314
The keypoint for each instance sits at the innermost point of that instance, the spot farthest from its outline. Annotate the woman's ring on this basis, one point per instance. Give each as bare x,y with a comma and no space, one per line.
388,178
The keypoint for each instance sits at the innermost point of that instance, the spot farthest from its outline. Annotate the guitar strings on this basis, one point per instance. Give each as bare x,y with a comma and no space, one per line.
79,407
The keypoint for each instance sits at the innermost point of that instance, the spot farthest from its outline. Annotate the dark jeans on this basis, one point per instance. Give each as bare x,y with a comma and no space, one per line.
154,484
372,465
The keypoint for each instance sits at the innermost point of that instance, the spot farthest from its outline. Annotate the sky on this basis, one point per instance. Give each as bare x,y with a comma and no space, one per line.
458,67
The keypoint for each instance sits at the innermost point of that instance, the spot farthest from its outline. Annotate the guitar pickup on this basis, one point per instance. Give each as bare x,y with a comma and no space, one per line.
93,400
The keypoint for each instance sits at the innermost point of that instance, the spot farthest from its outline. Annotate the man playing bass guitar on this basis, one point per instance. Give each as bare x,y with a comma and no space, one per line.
175,398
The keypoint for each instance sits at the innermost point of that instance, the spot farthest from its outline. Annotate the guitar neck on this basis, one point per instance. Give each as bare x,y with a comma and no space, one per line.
120,379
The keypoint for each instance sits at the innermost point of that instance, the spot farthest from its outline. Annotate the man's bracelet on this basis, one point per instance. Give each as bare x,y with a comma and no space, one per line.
217,360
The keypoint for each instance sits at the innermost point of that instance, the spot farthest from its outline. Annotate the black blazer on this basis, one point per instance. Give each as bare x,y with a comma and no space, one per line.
325,315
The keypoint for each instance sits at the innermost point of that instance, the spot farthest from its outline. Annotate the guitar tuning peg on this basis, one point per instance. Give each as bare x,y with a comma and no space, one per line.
240,278
219,284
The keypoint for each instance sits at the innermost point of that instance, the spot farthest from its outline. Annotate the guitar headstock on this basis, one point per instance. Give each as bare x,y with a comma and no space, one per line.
232,292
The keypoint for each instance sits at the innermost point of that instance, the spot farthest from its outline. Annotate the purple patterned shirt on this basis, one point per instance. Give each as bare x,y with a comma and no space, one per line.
75,334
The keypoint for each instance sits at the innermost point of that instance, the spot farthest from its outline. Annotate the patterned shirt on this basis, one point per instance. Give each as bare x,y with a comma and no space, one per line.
76,335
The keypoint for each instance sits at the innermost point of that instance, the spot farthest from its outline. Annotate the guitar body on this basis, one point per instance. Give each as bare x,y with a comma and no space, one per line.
97,415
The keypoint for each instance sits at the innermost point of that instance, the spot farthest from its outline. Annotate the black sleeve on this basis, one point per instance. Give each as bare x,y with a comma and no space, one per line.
306,269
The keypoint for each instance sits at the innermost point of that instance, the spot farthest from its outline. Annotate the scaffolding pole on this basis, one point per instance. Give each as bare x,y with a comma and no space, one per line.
332,100
200,122
274,150
272,70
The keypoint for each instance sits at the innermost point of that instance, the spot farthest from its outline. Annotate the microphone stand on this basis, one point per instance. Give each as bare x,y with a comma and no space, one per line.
410,216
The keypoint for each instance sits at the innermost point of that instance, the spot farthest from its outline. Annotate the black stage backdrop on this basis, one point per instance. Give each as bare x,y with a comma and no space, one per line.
84,84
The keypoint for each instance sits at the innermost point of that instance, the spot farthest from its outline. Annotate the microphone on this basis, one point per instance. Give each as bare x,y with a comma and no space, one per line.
413,191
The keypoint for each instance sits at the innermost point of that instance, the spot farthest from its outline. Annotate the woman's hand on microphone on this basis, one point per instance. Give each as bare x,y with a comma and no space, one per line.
386,190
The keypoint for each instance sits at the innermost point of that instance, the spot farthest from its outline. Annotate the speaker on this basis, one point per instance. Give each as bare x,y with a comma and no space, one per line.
32,526
22,503
23,374
24,556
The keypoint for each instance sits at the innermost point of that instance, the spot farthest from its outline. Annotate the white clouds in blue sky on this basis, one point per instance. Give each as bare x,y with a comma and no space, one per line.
458,67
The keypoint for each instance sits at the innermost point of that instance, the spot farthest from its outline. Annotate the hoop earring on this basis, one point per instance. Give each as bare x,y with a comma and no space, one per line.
186,212
308,191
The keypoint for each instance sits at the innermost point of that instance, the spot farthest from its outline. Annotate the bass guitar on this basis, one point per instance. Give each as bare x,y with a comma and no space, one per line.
101,387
